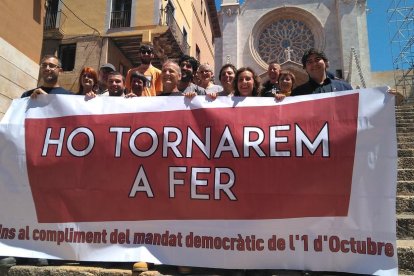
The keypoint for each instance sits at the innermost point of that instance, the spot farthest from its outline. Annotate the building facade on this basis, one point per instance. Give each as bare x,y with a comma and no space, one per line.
20,48
260,31
92,33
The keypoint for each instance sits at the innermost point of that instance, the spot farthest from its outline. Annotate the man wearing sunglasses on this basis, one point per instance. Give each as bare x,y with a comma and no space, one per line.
50,68
153,75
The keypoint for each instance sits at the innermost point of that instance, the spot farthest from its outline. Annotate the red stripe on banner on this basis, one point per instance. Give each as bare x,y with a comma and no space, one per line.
77,172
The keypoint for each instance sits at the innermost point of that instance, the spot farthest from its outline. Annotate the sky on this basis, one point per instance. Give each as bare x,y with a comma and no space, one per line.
378,34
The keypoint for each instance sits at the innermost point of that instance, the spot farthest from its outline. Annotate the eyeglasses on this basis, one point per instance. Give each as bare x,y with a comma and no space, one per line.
44,65
148,52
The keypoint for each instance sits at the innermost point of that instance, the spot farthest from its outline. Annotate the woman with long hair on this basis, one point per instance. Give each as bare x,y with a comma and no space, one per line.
247,83
226,77
88,81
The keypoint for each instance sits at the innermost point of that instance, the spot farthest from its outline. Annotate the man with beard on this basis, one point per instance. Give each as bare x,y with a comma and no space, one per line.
189,66
50,68
116,84
271,87
154,84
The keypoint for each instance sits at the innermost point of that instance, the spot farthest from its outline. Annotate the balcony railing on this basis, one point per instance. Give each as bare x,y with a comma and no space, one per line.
120,19
54,20
167,18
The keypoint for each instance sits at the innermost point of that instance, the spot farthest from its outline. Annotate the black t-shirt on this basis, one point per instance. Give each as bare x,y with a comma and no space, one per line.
48,90
171,94
269,89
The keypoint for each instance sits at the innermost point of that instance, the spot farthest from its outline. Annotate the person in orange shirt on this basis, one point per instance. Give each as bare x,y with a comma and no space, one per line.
154,84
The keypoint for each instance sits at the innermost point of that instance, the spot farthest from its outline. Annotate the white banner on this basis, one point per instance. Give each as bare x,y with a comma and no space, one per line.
308,183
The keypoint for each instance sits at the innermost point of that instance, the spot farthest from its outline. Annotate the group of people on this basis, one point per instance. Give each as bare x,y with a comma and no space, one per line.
188,78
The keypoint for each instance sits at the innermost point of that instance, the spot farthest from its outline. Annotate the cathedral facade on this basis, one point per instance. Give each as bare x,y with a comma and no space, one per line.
261,31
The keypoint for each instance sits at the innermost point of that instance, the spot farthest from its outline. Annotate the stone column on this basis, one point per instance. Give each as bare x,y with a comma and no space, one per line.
229,16
352,27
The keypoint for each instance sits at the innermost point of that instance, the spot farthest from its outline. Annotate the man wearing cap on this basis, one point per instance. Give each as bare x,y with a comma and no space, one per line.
103,77
316,63
154,84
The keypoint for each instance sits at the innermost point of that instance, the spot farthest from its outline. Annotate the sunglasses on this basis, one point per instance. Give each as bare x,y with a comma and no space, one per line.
148,52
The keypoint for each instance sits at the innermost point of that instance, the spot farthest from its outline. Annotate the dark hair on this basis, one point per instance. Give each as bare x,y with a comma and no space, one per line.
228,65
135,74
51,56
146,47
92,72
194,63
256,79
287,73
313,51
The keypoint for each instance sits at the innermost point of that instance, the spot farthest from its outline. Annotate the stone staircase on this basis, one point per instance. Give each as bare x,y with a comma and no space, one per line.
405,186
405,223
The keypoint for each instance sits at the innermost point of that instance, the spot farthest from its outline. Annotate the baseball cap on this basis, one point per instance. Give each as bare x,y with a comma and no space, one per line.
108,66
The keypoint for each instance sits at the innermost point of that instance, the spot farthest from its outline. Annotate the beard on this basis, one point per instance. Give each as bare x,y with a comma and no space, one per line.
186,75
116,92
50,79
146,61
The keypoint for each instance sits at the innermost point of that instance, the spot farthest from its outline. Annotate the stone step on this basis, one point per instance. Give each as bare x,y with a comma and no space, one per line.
404,123
403,118
404,115
405,249
405,227
405,188
406,162
405,205
72,270
405,106
405,138
410,120
406,145
405,134
404,253
403,110
405,130
405,174
405,153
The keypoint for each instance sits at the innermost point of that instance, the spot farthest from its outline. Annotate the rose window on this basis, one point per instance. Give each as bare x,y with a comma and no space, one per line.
286,39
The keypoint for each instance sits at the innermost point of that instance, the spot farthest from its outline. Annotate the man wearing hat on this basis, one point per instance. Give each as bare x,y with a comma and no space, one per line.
154,84
104,71
316,64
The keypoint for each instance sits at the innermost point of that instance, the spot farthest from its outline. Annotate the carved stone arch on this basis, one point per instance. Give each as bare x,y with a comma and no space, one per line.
283,27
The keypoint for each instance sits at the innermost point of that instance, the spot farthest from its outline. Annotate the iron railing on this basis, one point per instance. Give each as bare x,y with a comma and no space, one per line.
167,19
54,20
120,19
